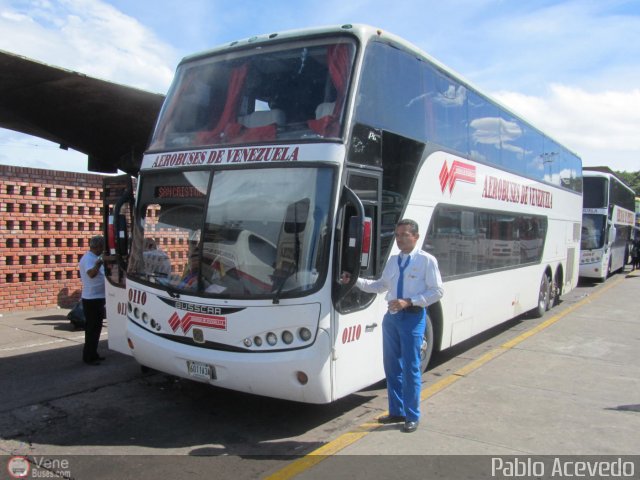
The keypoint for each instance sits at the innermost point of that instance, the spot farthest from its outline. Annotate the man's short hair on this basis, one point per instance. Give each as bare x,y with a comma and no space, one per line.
411,223
97,241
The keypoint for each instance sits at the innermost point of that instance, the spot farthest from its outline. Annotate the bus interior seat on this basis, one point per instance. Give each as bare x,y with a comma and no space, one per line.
263,117
325,109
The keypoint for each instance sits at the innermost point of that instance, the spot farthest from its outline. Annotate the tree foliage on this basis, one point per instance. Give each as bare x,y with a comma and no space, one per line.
632,179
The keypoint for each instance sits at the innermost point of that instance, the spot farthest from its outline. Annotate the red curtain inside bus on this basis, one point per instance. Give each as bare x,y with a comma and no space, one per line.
227,123
338,62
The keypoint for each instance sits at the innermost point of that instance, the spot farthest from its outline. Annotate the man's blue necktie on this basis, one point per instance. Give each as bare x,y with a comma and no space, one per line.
401,277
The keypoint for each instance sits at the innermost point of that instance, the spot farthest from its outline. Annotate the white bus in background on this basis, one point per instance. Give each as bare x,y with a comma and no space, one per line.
280,161
608,218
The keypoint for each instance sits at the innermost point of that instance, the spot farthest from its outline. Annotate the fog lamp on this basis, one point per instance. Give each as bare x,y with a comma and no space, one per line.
302,378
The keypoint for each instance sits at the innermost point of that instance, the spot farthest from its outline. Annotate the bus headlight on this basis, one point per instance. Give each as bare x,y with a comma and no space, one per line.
272,339
248,342
258,341
145,317
287,337
305,334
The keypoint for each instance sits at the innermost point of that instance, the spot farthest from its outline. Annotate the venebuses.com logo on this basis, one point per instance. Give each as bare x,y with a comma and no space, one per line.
18,467
38,467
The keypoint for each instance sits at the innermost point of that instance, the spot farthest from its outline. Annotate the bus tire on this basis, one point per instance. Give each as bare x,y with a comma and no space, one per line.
426,349
544,297
556,288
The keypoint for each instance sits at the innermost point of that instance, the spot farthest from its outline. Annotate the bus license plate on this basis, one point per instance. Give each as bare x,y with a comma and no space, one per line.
201,370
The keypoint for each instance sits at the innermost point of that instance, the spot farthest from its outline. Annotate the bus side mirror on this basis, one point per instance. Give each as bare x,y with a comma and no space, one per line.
296,216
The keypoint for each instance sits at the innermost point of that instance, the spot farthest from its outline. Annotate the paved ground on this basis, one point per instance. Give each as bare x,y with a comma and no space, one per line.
571,388
568,384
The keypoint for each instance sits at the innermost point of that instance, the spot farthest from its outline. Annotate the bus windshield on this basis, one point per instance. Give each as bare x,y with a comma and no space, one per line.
284,92
592,231
595,192
259,233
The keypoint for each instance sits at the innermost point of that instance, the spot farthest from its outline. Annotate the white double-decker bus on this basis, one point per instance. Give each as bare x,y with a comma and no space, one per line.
608,218
279,161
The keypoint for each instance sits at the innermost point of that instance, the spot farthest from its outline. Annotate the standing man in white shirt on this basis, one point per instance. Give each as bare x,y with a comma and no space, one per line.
412,282
93,298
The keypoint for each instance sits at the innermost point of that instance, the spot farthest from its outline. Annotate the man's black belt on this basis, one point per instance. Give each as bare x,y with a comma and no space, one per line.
414,309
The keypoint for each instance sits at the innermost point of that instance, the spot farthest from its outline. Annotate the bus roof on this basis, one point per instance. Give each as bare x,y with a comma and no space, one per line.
364,33
604,172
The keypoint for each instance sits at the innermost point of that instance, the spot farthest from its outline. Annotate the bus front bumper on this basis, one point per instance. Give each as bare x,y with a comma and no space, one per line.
272,374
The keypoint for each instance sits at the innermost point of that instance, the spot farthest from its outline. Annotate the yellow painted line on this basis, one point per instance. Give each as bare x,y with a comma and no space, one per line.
331,448
318,455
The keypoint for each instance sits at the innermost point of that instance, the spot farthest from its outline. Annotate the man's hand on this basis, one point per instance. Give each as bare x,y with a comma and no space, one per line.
399,304
345,278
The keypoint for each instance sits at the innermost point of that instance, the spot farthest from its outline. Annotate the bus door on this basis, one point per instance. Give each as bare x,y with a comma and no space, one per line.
117,221
357,327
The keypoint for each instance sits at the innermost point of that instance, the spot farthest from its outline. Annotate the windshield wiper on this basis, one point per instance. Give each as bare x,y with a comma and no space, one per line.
173,293
292,270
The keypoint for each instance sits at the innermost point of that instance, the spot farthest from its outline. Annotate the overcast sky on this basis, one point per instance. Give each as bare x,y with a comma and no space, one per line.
572,68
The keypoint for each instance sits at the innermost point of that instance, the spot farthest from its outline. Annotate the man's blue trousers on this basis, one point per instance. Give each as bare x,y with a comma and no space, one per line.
402,334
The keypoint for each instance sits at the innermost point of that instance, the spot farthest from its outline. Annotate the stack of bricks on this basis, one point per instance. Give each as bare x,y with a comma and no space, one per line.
46,220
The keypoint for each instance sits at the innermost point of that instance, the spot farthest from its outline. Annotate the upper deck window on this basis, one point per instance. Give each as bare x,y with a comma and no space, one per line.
409,96
286,92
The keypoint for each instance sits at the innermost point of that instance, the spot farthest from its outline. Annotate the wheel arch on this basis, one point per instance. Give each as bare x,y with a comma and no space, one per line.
437,319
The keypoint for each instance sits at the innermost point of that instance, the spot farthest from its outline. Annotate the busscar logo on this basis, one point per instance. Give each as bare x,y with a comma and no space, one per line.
459,171
198,319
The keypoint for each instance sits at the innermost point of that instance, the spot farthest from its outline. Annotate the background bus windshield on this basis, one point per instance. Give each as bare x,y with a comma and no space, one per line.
594,194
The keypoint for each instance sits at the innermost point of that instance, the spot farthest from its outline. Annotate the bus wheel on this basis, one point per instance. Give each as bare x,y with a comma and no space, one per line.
556,290
426,349
544,297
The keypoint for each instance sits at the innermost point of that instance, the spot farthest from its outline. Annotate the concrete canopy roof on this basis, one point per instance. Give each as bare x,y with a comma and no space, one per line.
110,123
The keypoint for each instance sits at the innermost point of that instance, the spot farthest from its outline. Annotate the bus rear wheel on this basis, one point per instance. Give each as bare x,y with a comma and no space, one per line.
426,349
556,289
544,297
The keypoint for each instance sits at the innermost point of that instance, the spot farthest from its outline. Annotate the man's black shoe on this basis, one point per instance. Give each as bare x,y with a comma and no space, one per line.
387,419
91,362
410,427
